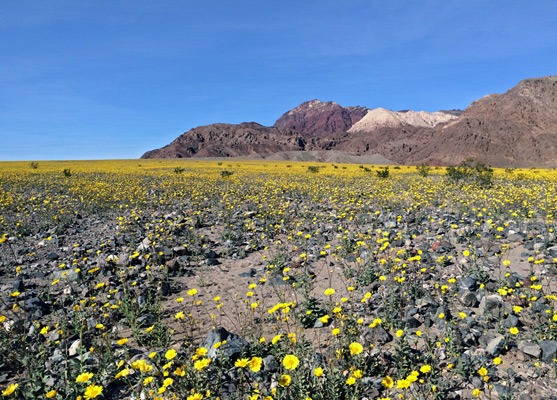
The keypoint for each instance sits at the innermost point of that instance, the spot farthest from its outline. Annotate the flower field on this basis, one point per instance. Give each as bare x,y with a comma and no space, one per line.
185,279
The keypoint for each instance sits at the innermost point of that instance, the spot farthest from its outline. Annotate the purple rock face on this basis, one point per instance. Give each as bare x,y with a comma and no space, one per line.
316,117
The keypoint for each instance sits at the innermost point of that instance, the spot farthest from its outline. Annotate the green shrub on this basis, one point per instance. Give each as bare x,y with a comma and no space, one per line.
423,170
383,173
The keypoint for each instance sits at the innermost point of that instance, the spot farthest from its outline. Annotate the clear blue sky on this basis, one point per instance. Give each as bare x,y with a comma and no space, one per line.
113,79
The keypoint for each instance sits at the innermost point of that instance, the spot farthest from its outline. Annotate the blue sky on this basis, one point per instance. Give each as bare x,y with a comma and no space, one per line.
113,79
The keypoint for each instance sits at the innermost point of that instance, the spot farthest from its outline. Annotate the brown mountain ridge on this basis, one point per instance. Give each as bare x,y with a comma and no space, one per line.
514,129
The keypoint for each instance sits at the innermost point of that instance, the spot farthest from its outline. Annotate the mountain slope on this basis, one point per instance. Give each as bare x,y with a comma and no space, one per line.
317,117
380,117
228,140
516,128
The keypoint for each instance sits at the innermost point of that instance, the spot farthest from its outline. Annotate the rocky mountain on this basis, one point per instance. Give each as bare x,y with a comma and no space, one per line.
516,128
316,117
380,118
229,140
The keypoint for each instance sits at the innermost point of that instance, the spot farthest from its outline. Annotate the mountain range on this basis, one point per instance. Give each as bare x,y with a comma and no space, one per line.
514,129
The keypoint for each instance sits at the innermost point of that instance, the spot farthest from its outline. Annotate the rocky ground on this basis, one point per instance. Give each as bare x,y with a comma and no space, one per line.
451,284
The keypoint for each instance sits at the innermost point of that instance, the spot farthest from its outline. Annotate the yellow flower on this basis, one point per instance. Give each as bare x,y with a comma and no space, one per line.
170,354
330,291
195,396
179,315
324,319
92,391
241,363
497,361
141,365
202,351
84,377
192,292
476,392
403,384
387,382
51,394
10,389
335,331
199,365
399,333
356,348
122,341
482,371
290,362
167,382
318,371
466,253
351,381
514,330
284,380
255,364
424,369
124,372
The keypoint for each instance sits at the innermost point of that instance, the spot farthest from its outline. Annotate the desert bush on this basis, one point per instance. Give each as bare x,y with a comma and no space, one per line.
470,172
423,170
383,173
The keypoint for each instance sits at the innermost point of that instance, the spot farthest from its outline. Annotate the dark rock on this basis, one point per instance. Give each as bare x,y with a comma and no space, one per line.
381,335
234,346
166,289
412,322
36,307
469,283
52,256
549,350
491,306
467,298
511,321
270,363
18,285
252,272
529,348
212,261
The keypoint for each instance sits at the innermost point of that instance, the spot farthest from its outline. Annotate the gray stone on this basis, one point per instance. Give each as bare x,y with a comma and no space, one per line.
467,298
511,321
234,346
529,348
412,322
36,306
381,335
468,282
552,251
74,347
549,350
491,306
496,345
270,363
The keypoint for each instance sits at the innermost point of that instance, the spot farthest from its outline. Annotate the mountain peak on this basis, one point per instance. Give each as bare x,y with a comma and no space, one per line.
318,117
